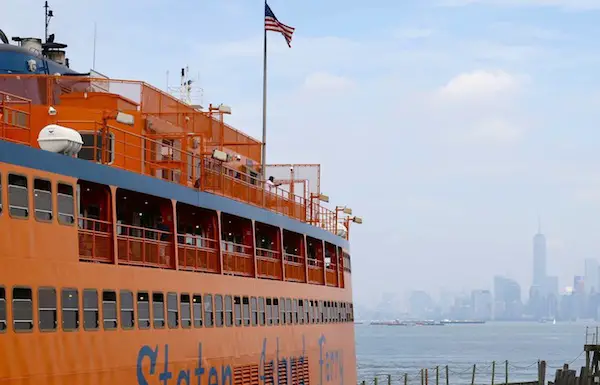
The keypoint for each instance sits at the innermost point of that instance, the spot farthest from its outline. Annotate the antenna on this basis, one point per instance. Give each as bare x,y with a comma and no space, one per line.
94,57
48,14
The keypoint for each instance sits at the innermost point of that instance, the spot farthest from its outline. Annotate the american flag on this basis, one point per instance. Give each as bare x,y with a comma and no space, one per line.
272,24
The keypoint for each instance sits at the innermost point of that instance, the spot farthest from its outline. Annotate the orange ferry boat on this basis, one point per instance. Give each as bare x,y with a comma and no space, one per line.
141,245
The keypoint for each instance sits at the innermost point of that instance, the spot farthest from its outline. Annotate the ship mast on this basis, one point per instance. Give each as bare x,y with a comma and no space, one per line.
47,15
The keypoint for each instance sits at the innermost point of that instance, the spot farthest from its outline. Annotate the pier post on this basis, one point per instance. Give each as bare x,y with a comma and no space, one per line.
437,375
447,378
426,376
493,371
473,375
542,373
506,372
405,378
389,379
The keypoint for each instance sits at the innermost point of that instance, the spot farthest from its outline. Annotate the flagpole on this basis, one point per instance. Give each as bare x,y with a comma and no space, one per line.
264,117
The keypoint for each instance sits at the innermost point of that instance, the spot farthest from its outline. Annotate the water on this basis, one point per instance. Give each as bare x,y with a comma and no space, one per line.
396,350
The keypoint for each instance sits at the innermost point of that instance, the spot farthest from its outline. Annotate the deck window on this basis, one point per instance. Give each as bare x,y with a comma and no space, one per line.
198,313
172,311
288,305
254,310
237,305
109,310
261,311
70,309
143,310
186,315
208,310
218,310
91,312
158,310
275,311
22,308
282,309
47,309
18,196
228,311
269,310
92,147
246,304
2,309
127,313
42,199
307,311
66,204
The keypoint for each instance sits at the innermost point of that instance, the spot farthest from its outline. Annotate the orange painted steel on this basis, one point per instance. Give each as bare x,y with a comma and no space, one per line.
199,254
95,240
237,259
14,118
268,264
295,268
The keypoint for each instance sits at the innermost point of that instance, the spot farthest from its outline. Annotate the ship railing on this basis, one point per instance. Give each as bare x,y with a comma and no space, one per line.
268,263
144,246
95,240
237,259
315,271
198,253
15,115
294,268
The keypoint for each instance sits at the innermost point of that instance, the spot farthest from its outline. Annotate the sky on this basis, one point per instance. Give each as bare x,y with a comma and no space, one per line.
449,126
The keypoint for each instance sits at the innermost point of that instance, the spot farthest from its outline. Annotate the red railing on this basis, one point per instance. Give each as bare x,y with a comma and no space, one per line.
95,240
237,259
198,253
15,115
294,268
315,271
268,263
144,246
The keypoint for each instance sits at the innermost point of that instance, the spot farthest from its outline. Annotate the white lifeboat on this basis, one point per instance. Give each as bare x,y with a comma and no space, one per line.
59,139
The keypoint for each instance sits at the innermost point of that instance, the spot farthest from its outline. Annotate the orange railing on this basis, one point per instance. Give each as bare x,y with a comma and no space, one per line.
315,271
144,246
198,253
95,240
143,154
294,268
15,113
268,263
237,259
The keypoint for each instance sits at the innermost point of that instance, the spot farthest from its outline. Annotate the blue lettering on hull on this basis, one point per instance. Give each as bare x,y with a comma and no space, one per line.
276,371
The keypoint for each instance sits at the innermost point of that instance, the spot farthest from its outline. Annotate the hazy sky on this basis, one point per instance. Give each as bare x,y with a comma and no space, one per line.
447,125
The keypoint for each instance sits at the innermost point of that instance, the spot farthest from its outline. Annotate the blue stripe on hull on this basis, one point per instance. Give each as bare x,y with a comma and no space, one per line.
82,169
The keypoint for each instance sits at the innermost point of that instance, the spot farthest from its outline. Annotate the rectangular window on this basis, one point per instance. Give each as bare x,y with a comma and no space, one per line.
18,197
307,311
269,309
172,311
254,309
208,310
22,309
186,315
198,316
275,311
261,311
158,310
70,309
91,313
218,310
282,309
92,147
143,310
321,313
127,313
246,305
47,314
300,312
237,306
288,305
66,204
228,311
42,199
109,309
2,309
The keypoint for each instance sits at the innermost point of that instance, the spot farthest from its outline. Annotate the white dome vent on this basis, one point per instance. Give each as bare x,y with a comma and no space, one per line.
59,139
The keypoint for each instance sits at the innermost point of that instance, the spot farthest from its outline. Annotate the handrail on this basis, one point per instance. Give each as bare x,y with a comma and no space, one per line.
145,154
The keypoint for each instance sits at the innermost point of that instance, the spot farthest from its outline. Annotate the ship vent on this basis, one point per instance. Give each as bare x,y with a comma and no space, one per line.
245,375
294,371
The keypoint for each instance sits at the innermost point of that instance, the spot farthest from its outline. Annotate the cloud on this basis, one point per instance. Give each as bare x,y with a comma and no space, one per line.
323,81
475,85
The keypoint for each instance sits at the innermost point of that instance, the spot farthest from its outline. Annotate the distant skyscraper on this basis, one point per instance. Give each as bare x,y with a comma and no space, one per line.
591,275
507,299
539,258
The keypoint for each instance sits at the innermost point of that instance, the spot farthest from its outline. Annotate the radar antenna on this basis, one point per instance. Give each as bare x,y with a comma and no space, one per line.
186,92
48,15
